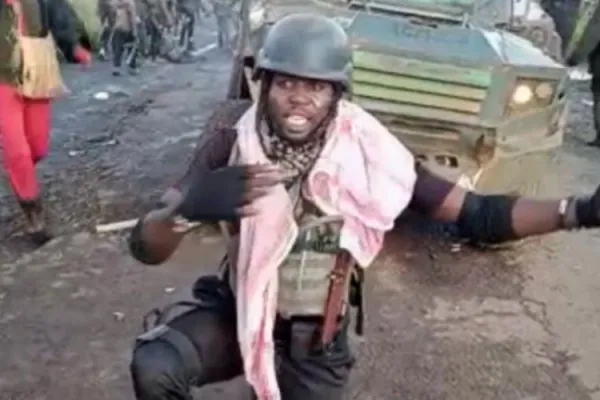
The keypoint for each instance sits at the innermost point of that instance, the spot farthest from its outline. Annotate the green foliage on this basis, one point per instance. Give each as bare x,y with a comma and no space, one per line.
88,21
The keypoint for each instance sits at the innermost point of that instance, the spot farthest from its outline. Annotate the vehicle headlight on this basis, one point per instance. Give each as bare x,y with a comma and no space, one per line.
256,16
522,95
544,91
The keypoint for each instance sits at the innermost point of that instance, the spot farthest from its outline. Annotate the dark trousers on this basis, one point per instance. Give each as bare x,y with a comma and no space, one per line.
155,37
188,29
160,372
120,40
223,29
594,68
105,35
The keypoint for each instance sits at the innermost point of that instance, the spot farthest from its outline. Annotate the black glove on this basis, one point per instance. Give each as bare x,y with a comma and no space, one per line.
226,194
588,210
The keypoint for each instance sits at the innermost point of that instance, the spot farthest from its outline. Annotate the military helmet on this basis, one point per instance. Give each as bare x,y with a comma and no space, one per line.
307,46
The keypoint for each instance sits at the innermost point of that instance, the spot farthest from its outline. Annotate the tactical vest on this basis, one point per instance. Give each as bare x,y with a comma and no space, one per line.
304,277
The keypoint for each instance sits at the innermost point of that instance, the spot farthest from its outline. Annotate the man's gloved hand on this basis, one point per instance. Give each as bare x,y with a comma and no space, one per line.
588,210
227,193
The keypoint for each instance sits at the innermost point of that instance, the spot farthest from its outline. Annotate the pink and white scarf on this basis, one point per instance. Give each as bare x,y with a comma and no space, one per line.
364,174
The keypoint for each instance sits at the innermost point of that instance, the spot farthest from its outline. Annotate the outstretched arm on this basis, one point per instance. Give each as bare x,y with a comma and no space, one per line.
154,239
499,218
63,25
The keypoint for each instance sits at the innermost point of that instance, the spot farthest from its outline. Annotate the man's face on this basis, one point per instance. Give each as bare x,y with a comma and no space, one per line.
297,106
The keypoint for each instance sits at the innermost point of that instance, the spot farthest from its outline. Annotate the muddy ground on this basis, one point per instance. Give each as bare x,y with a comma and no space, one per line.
444,323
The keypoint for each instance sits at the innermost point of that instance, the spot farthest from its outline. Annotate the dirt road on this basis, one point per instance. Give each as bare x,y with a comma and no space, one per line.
442,324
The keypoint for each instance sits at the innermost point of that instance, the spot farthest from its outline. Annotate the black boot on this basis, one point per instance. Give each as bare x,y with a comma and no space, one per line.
37,226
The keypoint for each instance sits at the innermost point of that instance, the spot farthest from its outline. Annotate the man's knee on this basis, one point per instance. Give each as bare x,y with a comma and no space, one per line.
157,371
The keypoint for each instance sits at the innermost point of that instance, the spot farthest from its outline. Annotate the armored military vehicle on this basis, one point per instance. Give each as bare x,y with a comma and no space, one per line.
460,82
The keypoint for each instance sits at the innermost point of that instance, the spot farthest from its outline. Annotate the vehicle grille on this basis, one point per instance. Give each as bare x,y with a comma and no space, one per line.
394,86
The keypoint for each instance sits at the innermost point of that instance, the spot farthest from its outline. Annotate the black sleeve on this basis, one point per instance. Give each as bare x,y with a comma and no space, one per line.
483,219
62,24
487,218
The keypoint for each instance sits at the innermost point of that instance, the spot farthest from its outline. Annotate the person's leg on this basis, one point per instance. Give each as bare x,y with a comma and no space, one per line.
37,131
118,49
202,348
104,38
221,28
154,37
16,154
188,29
19,159
37,127
309,374
594,68
133,56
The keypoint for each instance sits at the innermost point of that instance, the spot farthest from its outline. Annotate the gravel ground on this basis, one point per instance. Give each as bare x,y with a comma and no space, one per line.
444,322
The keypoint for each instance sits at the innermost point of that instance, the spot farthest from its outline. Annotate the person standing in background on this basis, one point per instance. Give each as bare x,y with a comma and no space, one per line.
594,70
29,80
189,9
106,21
124,34
158,15
223,10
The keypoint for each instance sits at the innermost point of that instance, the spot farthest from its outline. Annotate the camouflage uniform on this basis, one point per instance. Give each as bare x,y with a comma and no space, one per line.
159,15
188,8
124,14
223,10
105,15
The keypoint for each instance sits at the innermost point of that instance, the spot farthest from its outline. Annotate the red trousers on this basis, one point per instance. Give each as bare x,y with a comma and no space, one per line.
24,129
